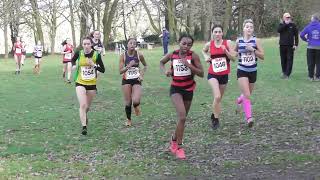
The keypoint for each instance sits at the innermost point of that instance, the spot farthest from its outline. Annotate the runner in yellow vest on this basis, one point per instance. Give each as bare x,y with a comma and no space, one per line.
86,62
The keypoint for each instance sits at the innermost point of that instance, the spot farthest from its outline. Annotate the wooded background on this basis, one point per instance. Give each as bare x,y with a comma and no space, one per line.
119,19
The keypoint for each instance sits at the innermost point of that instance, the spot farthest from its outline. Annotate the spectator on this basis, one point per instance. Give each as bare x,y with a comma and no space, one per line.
288,43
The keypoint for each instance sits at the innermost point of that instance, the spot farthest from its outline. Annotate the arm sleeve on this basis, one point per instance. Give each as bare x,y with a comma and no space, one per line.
296,35
100,66
74,58
303,34
281,27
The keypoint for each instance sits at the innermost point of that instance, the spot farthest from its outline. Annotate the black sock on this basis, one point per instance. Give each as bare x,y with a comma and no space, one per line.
128,112
84,127
135,105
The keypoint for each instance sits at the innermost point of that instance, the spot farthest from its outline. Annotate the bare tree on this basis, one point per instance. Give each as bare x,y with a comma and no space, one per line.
109,12
52,10
156,29
73,31
36,16
4,17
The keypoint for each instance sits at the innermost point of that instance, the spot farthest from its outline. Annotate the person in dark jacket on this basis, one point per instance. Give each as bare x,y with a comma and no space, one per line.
289,39
165,40
311,34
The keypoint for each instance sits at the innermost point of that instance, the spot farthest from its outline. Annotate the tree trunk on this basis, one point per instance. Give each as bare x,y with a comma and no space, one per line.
98,16
171,19
107,20
5,30
203,25
13,24
240,19
124,23
53,28
92,13
157,30
83,19
36,16
73,31
227,15
190,17
5,34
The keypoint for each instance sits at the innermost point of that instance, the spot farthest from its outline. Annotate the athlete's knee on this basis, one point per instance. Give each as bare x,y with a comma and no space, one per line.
217,98
128,103
84,106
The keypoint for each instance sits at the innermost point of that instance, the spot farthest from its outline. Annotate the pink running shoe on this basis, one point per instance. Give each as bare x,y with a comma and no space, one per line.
180,153
173,146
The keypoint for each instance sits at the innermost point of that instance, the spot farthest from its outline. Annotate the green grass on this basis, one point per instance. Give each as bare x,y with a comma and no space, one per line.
40,128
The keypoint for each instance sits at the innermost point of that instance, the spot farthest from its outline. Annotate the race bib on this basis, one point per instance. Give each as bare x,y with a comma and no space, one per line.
18,50
97,48
88,73
179,69
39,53
219,64
248,59
68,56
132,73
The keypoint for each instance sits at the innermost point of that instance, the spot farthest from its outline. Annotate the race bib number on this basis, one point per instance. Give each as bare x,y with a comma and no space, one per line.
18,50
68,56
88,73
179,69
132,73
248,59
219,64
39,53
97,48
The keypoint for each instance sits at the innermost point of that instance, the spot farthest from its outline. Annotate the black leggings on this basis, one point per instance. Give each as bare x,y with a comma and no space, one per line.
313,59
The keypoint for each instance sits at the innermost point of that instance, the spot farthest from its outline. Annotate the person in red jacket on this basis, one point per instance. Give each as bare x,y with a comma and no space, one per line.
218,53
17,51
67,52
184,65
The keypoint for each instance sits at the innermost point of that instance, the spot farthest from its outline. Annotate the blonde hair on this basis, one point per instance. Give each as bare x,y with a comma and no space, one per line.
247,21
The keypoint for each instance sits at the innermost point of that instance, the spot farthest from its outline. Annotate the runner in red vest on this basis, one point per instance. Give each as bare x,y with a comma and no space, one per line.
17,50
67,52
218,53
185,64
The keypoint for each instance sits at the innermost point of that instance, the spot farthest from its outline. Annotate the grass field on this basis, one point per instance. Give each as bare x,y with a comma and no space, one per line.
40,128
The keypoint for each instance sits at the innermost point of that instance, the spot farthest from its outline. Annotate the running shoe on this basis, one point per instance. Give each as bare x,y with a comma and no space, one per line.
129,123
84,131
250,122
215,123
173,146
180,153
